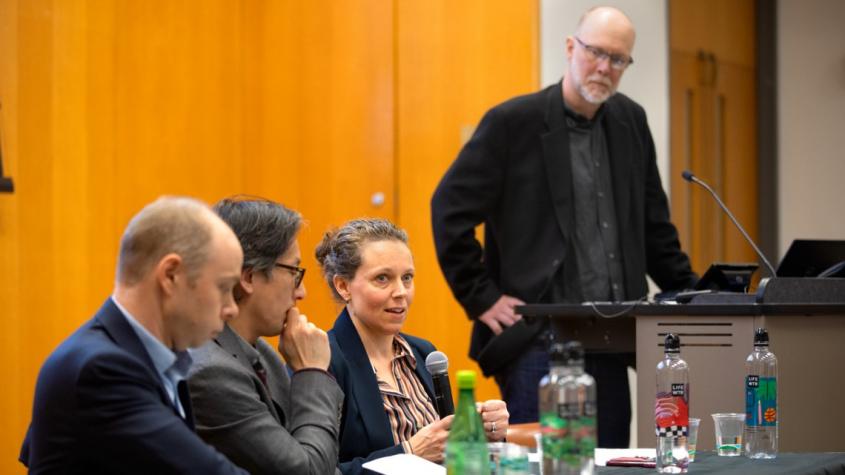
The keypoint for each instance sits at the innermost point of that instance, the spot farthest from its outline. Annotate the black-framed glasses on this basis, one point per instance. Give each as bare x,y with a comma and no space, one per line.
298,273
617,61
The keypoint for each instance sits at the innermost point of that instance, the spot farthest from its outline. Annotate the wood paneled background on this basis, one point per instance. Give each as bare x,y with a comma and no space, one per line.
714,127
107,104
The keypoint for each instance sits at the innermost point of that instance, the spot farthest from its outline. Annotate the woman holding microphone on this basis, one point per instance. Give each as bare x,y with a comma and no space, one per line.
389,406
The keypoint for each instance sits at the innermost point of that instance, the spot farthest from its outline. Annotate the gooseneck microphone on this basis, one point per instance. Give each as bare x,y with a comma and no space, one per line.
688,176
437,364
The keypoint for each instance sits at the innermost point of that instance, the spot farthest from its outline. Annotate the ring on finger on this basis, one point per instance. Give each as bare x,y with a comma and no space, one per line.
493,427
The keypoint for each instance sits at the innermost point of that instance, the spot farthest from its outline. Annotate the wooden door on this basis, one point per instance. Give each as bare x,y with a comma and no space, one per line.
713,127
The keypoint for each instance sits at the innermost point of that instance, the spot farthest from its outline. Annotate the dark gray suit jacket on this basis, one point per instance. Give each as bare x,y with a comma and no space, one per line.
515,176
291,428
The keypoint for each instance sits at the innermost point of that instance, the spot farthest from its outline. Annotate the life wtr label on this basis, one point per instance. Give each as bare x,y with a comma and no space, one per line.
761,396
671,411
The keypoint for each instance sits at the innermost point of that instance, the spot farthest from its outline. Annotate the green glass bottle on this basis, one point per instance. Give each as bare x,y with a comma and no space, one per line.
466,447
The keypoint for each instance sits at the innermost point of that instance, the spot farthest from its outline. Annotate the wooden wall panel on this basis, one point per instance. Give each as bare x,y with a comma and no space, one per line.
724,27
714,127
177,100
15,399
457,60
106,104
346,117
318,89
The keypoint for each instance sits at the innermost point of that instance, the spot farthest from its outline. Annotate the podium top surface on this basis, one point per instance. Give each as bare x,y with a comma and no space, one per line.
621,309
774,296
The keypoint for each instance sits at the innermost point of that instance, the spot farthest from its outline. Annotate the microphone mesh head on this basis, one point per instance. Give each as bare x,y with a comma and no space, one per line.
436,362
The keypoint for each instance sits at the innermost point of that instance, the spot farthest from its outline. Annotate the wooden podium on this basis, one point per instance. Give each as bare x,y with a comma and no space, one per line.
808,339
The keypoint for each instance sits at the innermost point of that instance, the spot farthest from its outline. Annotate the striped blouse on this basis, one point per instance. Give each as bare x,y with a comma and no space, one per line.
409,408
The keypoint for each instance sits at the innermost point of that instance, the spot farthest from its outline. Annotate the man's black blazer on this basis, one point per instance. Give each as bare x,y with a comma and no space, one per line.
100,407
514,176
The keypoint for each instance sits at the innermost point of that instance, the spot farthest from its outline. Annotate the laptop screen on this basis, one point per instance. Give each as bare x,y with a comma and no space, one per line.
810,257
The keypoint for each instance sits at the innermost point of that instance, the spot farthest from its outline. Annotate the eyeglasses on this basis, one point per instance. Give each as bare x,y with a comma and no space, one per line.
617,61
298,273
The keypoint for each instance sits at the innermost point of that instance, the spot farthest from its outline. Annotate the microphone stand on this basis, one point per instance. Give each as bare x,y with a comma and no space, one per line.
688,176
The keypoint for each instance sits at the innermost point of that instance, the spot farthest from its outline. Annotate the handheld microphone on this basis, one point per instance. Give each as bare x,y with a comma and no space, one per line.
688,176
437,363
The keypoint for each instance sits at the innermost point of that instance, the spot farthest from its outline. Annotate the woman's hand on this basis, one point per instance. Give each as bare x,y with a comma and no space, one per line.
494,415
430,441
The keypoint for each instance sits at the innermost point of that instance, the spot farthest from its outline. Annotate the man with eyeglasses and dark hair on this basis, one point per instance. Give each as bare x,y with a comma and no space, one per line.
565,181
245,403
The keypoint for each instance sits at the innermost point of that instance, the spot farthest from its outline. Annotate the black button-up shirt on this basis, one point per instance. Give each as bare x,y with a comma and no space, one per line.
596,233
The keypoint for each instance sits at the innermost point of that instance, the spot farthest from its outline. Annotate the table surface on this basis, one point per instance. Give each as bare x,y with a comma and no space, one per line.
785,464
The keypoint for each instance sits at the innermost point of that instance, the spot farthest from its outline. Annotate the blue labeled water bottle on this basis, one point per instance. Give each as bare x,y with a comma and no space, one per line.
761,400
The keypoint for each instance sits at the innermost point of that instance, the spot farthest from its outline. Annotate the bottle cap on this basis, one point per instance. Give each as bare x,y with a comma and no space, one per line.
672,344
466,379
568,353
556,351
761,337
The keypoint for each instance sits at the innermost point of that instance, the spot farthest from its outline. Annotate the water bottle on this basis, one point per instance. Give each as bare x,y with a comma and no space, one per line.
671,409
761,400
466,446
567,413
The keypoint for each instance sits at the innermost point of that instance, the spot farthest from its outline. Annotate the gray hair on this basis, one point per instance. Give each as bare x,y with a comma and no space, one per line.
169,225
265,229
339,253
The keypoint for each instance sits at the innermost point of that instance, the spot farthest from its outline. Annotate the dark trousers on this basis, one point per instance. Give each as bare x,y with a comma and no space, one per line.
519,383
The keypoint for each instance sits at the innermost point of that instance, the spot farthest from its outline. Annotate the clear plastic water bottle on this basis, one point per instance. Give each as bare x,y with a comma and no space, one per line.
568,413
671,409
761,400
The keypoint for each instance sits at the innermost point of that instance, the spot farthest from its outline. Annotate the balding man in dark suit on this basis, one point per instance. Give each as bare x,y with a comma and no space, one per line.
565,182
112,397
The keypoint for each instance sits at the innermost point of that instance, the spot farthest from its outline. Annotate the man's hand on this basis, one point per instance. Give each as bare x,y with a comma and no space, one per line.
501,313
430,441
302,344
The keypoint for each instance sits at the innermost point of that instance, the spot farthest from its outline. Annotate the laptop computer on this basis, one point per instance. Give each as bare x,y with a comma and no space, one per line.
813,257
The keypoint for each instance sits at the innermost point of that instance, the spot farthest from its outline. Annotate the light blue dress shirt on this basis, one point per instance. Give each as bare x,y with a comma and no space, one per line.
172,367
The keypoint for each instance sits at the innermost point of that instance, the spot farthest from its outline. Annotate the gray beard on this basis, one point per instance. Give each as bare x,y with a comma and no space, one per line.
591,98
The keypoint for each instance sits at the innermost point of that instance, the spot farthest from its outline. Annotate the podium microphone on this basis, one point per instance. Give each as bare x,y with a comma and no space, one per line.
437,363
688,176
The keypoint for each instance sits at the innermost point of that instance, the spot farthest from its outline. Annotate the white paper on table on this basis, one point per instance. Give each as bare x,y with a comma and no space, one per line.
603,455
403,464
